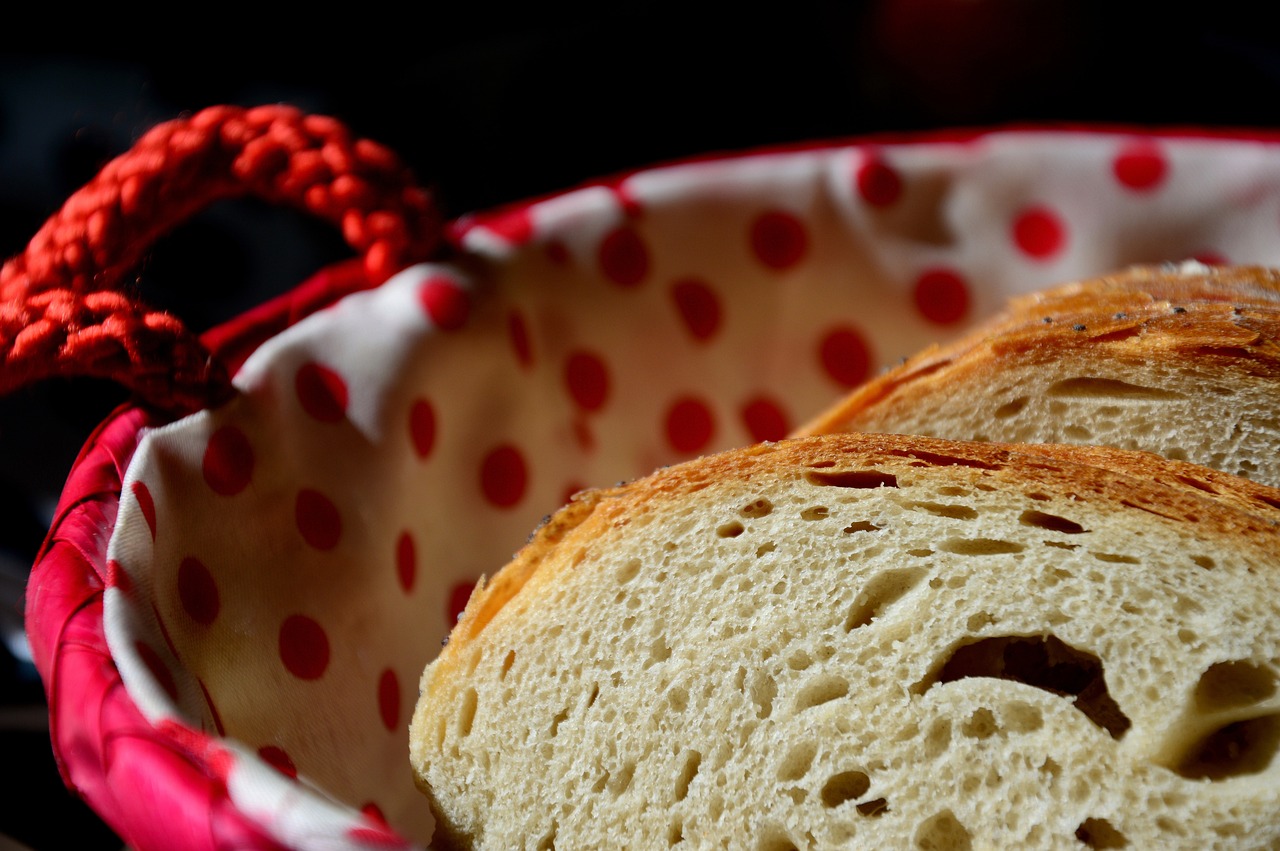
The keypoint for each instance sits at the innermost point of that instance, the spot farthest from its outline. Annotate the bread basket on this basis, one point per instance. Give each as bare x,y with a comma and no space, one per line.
253,559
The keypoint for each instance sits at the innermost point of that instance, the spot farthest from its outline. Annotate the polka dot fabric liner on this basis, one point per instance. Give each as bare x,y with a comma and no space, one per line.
286,565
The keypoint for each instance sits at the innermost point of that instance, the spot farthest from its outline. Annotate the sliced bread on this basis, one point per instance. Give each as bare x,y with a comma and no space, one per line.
873,641
1181,360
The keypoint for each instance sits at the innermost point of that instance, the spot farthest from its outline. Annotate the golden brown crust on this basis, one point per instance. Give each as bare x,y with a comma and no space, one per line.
1226,320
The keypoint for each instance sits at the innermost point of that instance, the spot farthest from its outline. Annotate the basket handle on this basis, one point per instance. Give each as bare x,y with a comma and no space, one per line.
65,308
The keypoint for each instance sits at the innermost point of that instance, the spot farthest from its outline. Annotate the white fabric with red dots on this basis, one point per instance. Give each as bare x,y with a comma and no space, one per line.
288,563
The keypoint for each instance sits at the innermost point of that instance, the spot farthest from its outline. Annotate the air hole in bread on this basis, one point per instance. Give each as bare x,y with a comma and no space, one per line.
795,764
1022,717
881,592
628,571
936,459
860,526
815,512
856,479
980,546
1078,433
980,725
1238,748
730,530
659,651
1227,685
675,833
467,712
548,840
1050,522
874,807
757,509
559,719
844,787
799,661
763,690
1092,387
688,771
775,839
939,509
1041,661
822,690
765,548
937,739
1115,558
1098,833
507,662
978,620
1011,408
943,832
621,781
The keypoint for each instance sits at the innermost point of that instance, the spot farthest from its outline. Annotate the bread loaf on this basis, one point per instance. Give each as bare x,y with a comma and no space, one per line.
1181,360
873,641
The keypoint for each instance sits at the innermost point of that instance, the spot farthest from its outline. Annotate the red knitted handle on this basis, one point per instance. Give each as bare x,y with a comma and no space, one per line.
64,310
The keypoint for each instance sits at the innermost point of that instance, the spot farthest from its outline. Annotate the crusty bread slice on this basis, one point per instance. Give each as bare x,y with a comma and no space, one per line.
1182,360
873,641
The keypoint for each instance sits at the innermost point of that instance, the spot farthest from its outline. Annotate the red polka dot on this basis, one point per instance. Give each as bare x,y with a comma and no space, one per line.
198,591
379,836
389,699
458,597
304,647
1140,166
765,419
1211,258
587,379
624,258
878,183
447,304
228,461
118,578
279,760
845,356
1039,233
942,296
158,669
406,561
689,425
422,427
698,306
373,812
516,227
557,252
147,505
503,476
778,239
518,330
318,519
321,392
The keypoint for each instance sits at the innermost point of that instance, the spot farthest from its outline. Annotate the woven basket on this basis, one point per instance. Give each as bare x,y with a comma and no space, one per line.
254,558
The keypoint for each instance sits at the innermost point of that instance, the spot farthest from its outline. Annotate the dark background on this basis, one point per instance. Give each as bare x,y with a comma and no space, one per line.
488,108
